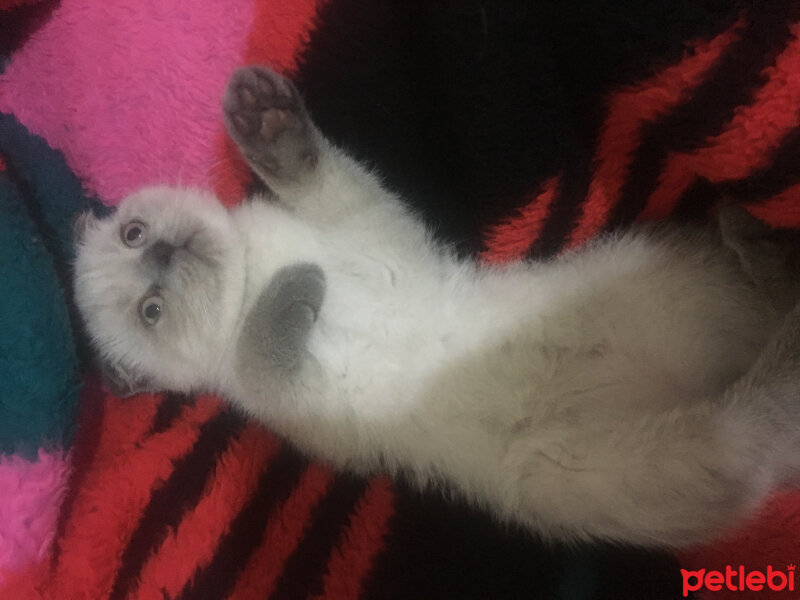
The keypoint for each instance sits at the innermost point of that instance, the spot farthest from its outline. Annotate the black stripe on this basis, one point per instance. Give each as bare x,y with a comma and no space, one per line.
697,202
732,82
441,547
303,574
170,407
169,502
635,572
564,211
215,580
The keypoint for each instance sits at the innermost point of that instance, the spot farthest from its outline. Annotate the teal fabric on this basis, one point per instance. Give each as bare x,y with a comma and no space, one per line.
39,366
52,192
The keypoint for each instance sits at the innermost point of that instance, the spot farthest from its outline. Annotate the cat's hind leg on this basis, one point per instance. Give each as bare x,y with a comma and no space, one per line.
675,477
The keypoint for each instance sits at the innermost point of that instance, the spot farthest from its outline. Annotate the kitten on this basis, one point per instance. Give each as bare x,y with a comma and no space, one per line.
639,390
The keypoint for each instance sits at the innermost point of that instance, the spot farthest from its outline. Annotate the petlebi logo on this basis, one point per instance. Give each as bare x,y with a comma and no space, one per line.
739,580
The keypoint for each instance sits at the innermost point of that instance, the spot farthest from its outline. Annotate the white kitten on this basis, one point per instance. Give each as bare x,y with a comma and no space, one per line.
640,390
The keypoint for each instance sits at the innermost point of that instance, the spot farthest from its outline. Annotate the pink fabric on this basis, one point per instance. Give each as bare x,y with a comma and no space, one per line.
131,69
30,497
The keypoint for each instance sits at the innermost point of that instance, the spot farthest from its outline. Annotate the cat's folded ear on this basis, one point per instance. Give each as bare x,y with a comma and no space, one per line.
124,383
86,219
80,223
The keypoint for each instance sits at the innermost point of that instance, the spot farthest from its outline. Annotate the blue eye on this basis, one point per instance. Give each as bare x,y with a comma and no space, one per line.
133,234
150,309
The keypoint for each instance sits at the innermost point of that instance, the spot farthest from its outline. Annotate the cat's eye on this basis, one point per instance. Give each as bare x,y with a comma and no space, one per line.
150,309
133,234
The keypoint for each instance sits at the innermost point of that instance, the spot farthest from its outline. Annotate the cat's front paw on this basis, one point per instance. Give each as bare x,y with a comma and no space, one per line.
278,326
267,119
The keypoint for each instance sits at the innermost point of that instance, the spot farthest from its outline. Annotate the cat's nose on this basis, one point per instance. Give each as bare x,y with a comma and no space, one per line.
161,252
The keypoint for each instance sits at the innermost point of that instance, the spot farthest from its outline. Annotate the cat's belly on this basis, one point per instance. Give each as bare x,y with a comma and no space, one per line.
444,374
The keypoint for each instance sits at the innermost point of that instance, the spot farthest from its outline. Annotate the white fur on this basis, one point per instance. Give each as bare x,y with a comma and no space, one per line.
585,397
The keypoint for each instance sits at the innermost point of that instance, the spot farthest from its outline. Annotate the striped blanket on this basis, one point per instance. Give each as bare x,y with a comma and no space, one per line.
518,130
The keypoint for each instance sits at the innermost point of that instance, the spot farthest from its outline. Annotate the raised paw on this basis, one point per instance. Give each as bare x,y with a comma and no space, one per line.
265,116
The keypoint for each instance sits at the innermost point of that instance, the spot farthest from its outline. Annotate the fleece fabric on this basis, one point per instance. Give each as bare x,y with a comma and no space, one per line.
518,130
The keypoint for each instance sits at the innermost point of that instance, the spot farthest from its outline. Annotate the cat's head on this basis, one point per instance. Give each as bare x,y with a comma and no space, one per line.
159,284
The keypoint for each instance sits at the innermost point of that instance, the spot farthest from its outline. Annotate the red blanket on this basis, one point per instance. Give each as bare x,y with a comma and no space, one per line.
517,131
